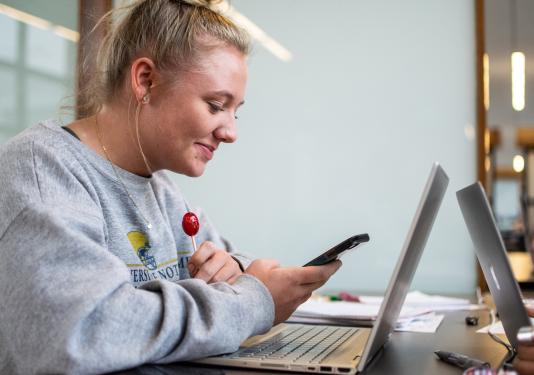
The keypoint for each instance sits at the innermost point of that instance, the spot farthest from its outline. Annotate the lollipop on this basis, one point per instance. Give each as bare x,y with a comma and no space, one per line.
191,226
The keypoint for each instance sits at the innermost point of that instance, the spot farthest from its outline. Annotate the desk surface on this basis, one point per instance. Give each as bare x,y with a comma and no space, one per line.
406,353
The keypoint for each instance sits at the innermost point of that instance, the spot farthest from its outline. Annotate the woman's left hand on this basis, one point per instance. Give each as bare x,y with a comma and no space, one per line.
524,361
213,265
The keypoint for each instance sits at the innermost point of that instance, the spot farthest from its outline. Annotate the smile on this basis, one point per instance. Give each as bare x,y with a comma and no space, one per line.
206,150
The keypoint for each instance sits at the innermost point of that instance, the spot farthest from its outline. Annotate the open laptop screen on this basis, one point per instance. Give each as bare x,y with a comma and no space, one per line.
491,254
412,250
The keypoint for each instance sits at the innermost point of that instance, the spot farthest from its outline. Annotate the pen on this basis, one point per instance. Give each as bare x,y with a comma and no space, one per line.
345,296
342,296
459,360
333,297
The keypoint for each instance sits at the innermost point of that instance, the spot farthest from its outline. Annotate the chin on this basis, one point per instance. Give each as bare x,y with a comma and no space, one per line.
189,169
193,172
196,174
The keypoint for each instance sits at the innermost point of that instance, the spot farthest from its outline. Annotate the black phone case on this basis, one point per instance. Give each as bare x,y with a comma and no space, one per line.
331,255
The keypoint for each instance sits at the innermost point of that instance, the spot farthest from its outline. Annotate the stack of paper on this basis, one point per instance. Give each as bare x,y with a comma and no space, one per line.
417,313
430,302
348,310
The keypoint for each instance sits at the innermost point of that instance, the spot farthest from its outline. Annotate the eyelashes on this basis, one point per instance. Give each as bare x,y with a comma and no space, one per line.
215,108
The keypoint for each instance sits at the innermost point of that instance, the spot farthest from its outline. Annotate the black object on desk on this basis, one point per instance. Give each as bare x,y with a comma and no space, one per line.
471,320
459,360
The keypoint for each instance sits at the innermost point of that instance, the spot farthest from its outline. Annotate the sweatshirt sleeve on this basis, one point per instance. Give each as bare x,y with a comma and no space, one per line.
68,304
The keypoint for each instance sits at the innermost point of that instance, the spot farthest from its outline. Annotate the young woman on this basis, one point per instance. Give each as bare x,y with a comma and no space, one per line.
97,274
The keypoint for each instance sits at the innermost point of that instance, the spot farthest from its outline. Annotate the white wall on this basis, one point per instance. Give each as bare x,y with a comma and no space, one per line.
340,140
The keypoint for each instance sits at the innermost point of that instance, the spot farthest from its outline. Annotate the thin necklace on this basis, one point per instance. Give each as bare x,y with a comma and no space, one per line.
118,177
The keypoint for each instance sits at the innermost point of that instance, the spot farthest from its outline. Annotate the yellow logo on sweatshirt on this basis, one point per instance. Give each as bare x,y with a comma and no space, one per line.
142,248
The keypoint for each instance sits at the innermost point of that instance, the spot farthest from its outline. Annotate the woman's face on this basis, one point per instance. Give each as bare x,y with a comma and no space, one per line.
186,121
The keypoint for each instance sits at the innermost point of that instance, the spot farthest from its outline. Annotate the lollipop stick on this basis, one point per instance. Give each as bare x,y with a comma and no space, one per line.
194,243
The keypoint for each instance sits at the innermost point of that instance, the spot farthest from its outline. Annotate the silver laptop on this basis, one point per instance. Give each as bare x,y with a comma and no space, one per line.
491,254
345,350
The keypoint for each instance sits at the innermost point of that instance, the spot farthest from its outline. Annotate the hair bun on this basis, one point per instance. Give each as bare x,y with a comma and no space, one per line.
203,3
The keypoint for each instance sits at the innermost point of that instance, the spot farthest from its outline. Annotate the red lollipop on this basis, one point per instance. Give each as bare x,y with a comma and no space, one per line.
191,226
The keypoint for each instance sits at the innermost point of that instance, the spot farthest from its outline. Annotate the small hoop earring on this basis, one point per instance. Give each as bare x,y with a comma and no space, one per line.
146,99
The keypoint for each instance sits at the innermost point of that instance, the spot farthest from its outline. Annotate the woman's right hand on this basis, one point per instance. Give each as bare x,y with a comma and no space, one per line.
290,286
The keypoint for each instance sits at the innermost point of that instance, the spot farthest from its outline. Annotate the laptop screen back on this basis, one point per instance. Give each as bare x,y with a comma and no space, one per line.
491,254
414,245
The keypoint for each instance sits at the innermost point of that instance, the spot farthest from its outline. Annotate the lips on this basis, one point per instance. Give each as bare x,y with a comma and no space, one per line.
206,150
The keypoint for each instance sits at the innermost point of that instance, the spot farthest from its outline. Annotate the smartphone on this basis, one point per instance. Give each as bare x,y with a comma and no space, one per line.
337,251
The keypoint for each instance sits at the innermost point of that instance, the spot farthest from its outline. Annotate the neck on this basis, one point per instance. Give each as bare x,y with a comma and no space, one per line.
110,129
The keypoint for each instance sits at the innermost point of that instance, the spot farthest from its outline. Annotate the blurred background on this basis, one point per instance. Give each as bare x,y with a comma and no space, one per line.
348,105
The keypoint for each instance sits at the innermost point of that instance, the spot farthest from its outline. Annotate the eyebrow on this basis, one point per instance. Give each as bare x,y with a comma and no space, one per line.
228,95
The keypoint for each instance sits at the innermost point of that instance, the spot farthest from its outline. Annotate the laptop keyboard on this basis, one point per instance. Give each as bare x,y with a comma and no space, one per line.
302,344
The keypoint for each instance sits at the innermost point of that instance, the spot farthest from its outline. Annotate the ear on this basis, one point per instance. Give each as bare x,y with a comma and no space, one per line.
142,76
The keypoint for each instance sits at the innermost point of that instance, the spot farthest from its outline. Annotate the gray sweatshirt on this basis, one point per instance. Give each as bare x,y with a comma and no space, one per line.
85,286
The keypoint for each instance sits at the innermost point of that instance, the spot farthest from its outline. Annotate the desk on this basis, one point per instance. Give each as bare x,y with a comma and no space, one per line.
406,353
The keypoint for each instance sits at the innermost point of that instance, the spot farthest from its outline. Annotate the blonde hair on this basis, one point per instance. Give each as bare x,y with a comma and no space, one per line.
170,32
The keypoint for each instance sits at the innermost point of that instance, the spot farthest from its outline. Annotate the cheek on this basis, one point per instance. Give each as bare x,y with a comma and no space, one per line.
170,129
177,130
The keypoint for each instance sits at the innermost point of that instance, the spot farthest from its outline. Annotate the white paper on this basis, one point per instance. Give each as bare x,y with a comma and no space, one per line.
430,302
348,310
427,323
497,328
416,315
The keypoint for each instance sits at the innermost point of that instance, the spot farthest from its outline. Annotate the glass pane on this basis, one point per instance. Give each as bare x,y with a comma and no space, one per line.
9,39
506,203
46,51
37,66
8,108
45,96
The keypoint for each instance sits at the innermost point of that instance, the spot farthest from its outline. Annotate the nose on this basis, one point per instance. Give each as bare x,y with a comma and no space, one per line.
227,132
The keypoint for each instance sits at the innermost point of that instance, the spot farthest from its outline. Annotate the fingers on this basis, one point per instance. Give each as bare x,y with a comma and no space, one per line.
312,286
314,274
530,310
203,253
315,278
229,271
211,266
524,367
525,352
